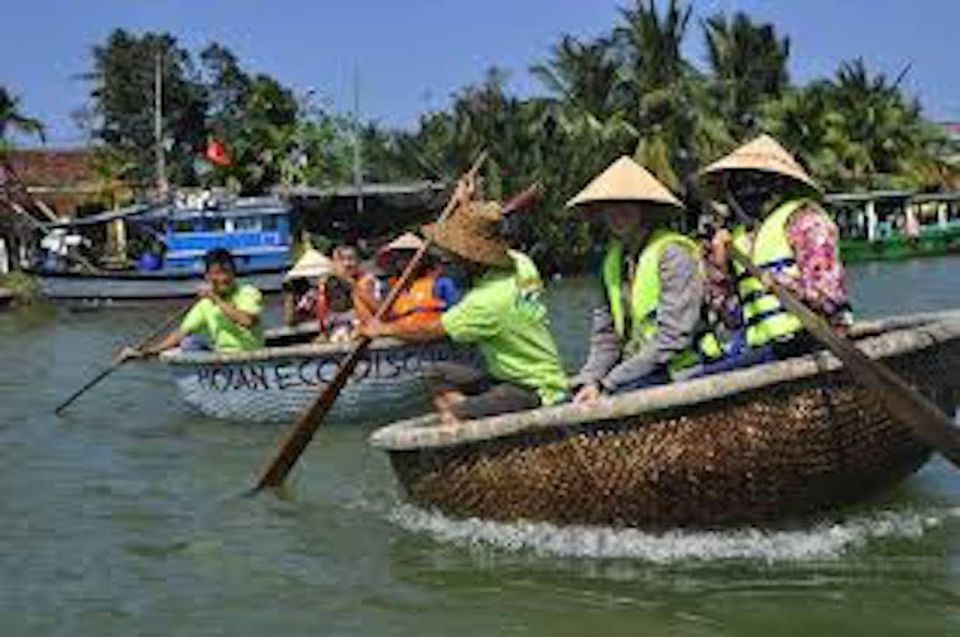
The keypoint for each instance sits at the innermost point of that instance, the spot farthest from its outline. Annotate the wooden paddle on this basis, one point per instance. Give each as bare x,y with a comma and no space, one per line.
928,423
167,324
307,423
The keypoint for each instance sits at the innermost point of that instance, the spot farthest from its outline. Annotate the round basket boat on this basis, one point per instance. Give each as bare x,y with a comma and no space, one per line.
275,383
769,443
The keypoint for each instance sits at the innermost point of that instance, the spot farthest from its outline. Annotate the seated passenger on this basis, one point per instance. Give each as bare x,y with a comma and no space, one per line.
336,315
501,313
301,287
226,318
429,293
781,225
650,326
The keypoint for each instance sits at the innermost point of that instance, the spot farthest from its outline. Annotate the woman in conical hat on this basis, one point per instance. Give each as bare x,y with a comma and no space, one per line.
780,224
647,331
501,313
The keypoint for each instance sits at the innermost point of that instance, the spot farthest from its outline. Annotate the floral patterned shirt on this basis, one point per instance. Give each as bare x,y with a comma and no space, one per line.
814,237
816,246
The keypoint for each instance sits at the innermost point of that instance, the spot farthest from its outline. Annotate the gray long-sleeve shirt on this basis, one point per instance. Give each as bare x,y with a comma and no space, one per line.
678,318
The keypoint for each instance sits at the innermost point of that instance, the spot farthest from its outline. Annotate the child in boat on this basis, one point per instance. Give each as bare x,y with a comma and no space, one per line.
226,318
651,326
301,287
501,313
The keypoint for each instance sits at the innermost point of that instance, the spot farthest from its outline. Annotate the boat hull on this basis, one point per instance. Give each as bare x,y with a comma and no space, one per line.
778,451
139,287
276,385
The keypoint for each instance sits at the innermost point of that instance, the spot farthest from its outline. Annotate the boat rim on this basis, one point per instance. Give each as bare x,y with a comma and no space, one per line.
311,350
882,338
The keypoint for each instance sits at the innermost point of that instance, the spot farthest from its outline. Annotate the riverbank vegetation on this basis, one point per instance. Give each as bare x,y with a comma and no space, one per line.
631,90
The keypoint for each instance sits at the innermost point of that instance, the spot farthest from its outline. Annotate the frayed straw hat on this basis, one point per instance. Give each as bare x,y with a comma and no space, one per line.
764,154
625,180
407,241
311,265
472,232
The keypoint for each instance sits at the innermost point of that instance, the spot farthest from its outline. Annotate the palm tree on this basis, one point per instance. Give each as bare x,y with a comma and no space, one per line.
748,62
665,97
12,120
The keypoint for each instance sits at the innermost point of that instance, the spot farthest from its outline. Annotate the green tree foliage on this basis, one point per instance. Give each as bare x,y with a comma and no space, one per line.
748,66
14,121
272,137
122,102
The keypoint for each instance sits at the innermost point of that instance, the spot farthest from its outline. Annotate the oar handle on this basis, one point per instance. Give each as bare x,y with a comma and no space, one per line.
301,433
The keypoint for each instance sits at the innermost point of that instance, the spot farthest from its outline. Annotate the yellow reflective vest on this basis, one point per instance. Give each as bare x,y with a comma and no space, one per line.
765,319
645,296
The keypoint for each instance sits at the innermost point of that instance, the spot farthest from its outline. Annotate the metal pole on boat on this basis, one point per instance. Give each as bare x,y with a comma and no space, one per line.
357,172
158,123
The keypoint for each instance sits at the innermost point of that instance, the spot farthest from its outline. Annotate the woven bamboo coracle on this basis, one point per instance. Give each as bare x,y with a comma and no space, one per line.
770,443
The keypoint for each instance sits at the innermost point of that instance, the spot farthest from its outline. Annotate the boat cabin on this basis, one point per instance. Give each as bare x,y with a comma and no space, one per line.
255,231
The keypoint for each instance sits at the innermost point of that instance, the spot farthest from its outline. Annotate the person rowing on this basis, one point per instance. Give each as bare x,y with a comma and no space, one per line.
226,318
650,327
780,224
501,313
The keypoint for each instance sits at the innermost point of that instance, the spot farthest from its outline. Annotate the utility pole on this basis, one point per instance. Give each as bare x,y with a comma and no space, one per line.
357,171
161,159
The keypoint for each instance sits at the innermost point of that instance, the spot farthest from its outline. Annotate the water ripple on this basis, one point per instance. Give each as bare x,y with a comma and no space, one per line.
826,540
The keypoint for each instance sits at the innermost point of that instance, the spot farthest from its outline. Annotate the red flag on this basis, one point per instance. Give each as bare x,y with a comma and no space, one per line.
217,153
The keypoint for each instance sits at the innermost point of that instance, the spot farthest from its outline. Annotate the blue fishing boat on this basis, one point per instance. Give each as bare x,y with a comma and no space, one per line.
173,238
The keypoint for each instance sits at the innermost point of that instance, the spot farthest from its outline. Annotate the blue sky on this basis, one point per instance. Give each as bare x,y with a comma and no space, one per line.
411,54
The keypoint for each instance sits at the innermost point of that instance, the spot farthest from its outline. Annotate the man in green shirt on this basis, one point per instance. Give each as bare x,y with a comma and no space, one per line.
502,314
227,316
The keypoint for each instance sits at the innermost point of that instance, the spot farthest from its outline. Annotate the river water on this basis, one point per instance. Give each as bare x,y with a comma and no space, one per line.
126,516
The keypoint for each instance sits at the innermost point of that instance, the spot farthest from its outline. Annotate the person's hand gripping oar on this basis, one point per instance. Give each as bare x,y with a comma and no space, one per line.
310,419
928,423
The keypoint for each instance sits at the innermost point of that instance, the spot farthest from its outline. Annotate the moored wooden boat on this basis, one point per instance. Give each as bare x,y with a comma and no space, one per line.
774,442
273,384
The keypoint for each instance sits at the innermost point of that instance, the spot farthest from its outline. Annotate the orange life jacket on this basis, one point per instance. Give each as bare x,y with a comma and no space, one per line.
417,303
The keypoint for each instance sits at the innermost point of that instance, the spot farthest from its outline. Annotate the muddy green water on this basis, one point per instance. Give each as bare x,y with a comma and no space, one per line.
125,518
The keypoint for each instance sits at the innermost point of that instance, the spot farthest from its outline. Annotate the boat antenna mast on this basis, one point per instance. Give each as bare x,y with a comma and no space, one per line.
357,169
161,160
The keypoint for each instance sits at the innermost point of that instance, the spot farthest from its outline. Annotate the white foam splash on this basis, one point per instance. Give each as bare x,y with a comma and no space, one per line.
820,541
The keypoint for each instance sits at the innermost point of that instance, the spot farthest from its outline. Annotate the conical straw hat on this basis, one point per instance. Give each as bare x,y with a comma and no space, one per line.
406,241
625,180
764,154
472,233
311,265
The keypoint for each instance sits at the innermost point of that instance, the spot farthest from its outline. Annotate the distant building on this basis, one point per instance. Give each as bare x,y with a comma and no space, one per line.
65,179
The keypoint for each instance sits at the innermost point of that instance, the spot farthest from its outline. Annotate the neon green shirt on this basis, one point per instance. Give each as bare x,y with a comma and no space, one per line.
504,316
208,319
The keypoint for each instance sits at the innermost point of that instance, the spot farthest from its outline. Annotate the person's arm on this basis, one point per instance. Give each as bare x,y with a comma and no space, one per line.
242,317
814,239
678,316
605,349
422,331
365,302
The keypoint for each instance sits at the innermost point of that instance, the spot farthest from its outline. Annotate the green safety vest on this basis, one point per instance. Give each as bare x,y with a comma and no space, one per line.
765,318
645,296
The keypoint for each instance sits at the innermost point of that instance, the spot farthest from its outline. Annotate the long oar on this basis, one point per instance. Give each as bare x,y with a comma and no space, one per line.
309,421
928,423
163,328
